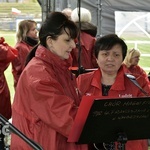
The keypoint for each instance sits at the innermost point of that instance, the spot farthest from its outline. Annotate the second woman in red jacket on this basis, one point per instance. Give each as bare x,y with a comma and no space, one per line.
27,38
110,79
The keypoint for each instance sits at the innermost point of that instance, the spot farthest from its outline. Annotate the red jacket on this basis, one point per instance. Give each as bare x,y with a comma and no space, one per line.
7,54
89,84
138,71
18,63
45,103
87,58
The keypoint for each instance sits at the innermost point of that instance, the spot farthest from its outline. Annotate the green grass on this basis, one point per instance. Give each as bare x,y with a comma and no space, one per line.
29,7
9,78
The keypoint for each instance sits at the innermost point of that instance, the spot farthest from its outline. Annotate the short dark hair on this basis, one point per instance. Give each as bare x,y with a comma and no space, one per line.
54,25
107,42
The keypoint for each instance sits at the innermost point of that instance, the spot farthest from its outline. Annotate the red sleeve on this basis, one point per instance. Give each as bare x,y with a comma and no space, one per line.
7,54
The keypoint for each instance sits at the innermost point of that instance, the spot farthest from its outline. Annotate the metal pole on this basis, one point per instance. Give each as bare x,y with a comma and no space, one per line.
99,18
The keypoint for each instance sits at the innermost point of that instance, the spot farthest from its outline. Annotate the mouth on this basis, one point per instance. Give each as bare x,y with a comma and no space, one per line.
69,51
109,65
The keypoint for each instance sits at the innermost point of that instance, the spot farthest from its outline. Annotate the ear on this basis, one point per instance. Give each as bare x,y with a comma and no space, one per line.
97,60
49,41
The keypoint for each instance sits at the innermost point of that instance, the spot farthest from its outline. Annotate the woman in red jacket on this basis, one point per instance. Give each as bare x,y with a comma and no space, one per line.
131,62
46,98
83,54
110,79
7,54
27,38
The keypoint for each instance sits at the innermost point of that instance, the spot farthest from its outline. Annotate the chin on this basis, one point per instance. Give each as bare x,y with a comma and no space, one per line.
66,57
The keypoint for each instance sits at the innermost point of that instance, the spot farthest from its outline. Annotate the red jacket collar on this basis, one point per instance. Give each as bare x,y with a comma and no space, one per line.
119,82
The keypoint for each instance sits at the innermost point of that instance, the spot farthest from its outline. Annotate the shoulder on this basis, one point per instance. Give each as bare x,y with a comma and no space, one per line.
141,69
87,40
87,35
86,76
44,75
84,81
22,46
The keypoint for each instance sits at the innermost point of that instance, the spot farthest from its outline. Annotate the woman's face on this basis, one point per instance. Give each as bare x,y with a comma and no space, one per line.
110,61
135,60
33,32
62,46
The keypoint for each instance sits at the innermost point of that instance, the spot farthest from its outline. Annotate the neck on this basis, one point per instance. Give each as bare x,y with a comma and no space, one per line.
108,79
31,41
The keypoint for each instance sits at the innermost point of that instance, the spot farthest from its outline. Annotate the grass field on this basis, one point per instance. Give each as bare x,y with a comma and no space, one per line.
10,39
9,78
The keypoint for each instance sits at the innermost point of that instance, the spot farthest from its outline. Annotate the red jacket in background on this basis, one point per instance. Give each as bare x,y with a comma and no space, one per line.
139,71
7,54
90,84
87,57
19,62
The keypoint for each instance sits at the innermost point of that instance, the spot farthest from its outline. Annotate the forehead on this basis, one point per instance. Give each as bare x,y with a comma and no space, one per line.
64,35
136,53
115,48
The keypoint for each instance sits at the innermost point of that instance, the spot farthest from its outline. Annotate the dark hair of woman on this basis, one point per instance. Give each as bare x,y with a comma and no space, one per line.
107,42
54,25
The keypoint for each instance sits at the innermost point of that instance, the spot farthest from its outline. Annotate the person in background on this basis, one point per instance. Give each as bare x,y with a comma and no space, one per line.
131,62
27,38
46,98
7,54
110,80
84,52
67,12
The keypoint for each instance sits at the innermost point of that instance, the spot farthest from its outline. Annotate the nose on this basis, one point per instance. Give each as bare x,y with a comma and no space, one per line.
110,57
73,45
36,30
